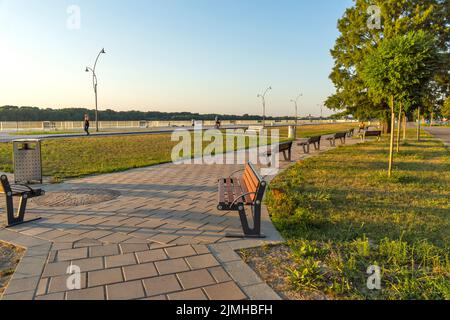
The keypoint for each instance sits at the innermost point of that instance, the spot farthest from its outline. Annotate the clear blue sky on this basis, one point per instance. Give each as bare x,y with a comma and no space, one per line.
170,55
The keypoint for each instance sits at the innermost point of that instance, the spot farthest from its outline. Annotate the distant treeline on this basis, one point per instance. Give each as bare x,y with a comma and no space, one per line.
12,113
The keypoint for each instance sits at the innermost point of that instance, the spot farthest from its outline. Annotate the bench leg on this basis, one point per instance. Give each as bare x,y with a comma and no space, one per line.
305,148
20,217
254,232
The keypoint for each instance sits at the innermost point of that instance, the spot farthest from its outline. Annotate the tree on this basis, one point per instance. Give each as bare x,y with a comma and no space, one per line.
400,68
357,40
445,111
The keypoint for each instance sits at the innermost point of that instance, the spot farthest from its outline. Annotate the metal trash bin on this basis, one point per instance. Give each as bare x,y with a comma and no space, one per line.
27,161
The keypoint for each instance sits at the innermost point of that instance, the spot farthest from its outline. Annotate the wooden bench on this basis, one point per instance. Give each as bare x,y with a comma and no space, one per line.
283,147
237,193
311,141
367,134
255,130
340,135
23,192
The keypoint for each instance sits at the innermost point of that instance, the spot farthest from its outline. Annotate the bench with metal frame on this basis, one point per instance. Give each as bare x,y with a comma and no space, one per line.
310,141
283,147
367,134
21,191
237,193
342,136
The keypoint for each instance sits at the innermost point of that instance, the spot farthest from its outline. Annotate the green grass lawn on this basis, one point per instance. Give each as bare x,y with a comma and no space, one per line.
76,157
341,214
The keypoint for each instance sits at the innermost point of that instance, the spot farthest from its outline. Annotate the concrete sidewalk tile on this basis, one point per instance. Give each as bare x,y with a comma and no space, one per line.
133,247
180,251
106,250
125,291
96,293
171,266
56,269
161,285
202,261
116,237
21,285
52,297
261,292
89,264
242,273
72,254
102,277
151,255
225,291
219,274
192,295
140,271
120,260
59,283
201,248
195,279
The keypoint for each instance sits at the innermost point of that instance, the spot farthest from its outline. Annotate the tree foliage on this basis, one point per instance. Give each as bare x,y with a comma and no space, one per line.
357,40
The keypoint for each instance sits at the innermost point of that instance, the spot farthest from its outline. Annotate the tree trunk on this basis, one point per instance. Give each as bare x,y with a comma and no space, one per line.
418,124
431,119
399,126
391,147
405,124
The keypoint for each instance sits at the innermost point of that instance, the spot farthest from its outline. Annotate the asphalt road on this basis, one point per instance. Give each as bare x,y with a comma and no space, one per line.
441,133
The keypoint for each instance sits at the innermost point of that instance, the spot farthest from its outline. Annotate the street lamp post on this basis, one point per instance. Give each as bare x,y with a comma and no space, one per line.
95,83
321,111
263,98
296,108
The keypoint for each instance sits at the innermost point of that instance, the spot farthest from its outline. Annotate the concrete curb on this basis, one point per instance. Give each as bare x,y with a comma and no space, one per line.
25,281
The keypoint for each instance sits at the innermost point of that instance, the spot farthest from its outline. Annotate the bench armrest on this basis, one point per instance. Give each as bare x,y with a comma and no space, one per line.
241,196
22,185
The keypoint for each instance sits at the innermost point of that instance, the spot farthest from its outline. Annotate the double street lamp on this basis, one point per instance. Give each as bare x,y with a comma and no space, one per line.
321,111
95,83
263,98
296,108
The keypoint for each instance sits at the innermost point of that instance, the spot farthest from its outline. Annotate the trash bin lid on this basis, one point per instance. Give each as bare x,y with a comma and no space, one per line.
27,140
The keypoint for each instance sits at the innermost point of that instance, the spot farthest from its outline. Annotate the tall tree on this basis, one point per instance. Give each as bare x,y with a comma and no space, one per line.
359,35
400,68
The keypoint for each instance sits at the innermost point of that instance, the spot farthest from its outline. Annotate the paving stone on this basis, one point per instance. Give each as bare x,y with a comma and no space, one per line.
116,237
42,287
120,260
188,295
171,266
219,274
225,291
140,271
261,292
52,297
72,254
151,255
89,264
195,279
56,269
161,285
97,293
102,277
133,247
106,250
202,261
125,291
21,285
59,283
201,248
180,251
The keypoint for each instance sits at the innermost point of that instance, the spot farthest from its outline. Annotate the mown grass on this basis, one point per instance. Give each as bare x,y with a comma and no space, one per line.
77,157
341,214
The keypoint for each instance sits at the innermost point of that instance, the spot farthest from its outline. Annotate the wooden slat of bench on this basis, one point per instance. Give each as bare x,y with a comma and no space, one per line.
229,191
248,197
221,191
252,178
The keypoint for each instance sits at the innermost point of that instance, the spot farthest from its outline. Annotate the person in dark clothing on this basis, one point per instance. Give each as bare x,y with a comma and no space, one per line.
86,124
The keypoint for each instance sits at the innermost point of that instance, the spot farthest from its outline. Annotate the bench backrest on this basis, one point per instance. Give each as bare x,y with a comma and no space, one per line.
285,146
256,128
340,135
372,133
254,183
4,185
315,139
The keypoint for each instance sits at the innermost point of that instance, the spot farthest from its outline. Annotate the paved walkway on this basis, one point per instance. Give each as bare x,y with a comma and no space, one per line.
440,133
162,238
